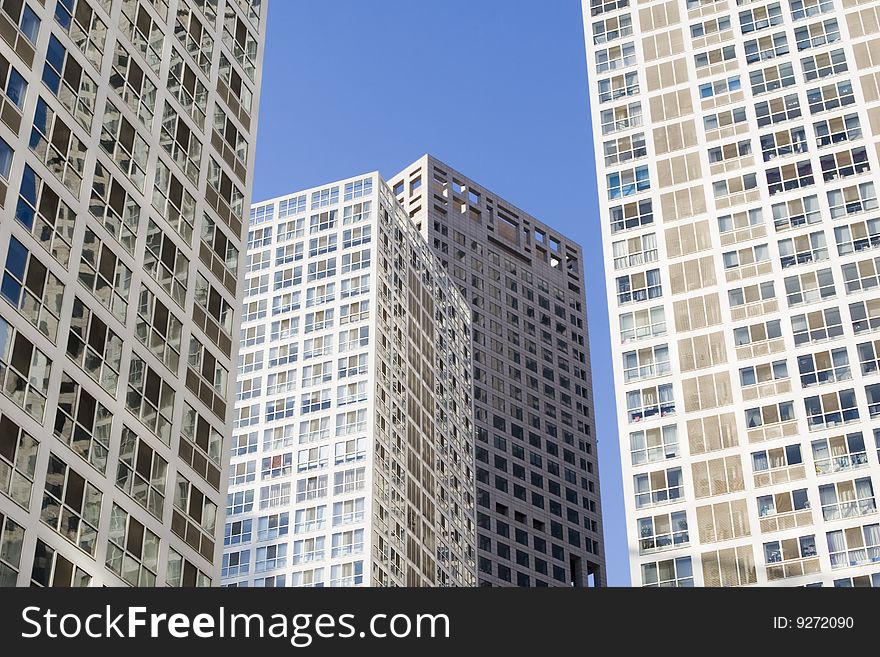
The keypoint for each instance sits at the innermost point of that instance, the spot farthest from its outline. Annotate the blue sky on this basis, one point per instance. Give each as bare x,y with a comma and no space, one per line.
497,89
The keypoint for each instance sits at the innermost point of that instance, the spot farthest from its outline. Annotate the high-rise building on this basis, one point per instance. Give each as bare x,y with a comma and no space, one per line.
127,133
537,485
352,460
737,159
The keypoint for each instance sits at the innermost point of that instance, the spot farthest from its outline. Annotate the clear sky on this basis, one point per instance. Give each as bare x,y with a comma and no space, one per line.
495,88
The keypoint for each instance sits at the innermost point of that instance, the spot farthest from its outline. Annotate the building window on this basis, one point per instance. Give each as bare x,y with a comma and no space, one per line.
791,555
240,41
653,445
865,316
713,57
858,236
635,251
49,219
782,510
144,32
734,185
860,581
772,78
358,189
158,329
18,460
830,97
69,83
194,517
658,487
150,399
809,287
132,549
105,275
785,142
71,505
854,546
824,367
816,326
348,512
25,18
663,532
94,346
803,249
640,286
610,29
322,199
311,488
621,118
852,200
719,87
766,47
236,564
806,8
11,539
847,499
724,119
817,34
628,182
746,257
124,144
768,415
862,275
349,481
760,18
180,143
777,110
615,57
651,402
83,424
758,375
166,263
759,296
824,64
729,152
619,86
141,473
844,164
32,289
51,568
839,453
631,215
672,572
24,371
837,129
832,409
116,209
646,363
642,324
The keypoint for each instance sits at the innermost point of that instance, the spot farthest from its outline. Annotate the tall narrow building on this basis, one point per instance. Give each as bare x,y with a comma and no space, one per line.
537,478
352,460
127,133
737,159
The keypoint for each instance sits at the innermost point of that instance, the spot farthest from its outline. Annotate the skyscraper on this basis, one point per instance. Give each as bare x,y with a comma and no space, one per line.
736,157
126,152
352,460
537,485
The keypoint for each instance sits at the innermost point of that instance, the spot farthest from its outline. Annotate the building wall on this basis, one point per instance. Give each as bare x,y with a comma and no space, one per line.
128,133
537,491
736,157
347,468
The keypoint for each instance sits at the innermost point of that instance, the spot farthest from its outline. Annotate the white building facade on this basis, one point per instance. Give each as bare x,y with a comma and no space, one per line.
737,160
127,134
351,459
